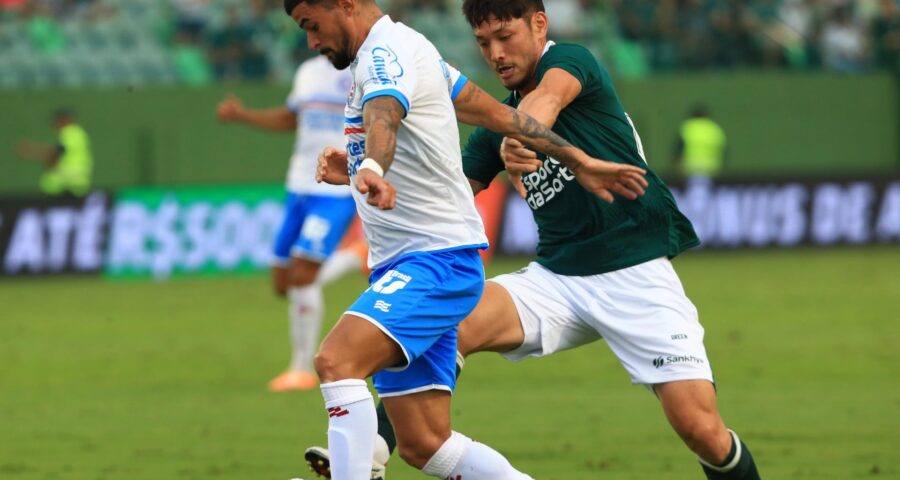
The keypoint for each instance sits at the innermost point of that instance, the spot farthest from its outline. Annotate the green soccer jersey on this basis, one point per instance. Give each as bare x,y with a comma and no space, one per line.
580,234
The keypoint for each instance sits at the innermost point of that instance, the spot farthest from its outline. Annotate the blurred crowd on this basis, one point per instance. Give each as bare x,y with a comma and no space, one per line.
201,41
840,35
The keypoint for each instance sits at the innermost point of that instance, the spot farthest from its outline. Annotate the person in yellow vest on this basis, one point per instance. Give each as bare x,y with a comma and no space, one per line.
700,151
69,163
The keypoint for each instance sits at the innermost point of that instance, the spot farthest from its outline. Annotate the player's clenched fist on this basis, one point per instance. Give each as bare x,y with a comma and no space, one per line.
331,167
381,193
518,160
230,109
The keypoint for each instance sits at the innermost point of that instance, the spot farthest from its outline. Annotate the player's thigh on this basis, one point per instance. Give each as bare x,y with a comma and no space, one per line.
355,348
421,422
547,317
493,326
647,320
325,223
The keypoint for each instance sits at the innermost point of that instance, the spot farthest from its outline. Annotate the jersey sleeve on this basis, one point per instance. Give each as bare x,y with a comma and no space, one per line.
576,60
481,156
455,80
387,71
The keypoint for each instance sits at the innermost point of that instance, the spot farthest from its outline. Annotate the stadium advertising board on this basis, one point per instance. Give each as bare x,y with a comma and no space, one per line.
52,235
161,232
764,214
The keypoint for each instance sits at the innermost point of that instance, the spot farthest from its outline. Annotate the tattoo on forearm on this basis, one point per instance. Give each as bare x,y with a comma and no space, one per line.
539,137
382,117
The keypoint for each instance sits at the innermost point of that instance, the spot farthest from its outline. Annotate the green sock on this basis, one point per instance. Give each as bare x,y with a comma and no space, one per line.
739,464
386,430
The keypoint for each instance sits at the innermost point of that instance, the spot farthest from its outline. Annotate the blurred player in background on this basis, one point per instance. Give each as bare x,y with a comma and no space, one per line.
603,270
424,236
700,147
69,163
316,215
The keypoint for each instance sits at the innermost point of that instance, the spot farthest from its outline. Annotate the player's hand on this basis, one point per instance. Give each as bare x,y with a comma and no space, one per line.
381,193
518,160
331,167
605,178
230,109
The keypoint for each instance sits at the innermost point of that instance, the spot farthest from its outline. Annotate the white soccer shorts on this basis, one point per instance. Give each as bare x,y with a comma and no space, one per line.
642,312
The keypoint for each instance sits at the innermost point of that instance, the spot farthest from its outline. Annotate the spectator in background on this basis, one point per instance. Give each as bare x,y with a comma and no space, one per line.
69,163
700,148
191,17
845,47
886,35
234,51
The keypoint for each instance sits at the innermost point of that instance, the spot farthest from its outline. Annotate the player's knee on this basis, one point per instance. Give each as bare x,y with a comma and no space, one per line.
303,272
418,453
328,367
702,435
302,277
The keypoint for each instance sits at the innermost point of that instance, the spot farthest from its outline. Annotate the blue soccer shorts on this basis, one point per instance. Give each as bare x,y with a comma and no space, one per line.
313,226
418,301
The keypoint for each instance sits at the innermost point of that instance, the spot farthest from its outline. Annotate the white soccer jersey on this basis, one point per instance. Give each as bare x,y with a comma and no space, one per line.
318,98
435,208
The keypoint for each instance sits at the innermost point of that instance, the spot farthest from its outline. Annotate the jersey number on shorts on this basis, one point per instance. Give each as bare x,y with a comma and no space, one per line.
390,282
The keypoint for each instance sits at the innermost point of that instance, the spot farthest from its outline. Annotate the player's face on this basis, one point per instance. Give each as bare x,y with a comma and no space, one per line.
512,48
326,31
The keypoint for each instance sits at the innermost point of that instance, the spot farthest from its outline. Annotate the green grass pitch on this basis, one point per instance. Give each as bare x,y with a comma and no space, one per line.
165,381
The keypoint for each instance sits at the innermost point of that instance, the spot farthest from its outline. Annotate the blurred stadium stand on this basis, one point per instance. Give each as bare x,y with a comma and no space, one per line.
74,43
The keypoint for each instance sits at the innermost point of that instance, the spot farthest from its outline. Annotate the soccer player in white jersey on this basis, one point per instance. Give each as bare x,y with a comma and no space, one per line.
424,234
316,215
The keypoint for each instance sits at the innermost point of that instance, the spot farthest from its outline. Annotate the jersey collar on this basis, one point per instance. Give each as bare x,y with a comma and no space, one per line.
375,32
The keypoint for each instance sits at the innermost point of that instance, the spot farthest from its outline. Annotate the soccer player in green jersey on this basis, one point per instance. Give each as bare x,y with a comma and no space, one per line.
603,270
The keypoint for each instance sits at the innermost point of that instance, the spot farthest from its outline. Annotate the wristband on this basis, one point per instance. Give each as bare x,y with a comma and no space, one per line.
371,165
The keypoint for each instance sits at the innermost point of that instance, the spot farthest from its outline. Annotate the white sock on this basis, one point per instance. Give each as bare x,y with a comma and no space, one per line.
352,428
337,265
461,457
305,312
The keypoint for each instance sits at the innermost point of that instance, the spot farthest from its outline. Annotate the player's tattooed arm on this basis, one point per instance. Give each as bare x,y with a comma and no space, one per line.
475,107
381,118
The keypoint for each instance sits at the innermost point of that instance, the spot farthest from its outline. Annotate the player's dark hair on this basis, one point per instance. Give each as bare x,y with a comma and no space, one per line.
290,5
480,11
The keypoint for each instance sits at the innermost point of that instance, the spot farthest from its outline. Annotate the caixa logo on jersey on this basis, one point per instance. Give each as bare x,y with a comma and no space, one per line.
386,68
673,359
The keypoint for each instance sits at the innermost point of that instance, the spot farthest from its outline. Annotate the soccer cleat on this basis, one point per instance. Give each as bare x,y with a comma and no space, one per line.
294,380
319,462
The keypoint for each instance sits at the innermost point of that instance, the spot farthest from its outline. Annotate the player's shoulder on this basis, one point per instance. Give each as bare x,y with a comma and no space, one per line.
575,59
570,52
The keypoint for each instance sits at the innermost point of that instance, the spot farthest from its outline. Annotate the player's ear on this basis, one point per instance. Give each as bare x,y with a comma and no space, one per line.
347,7
539,23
